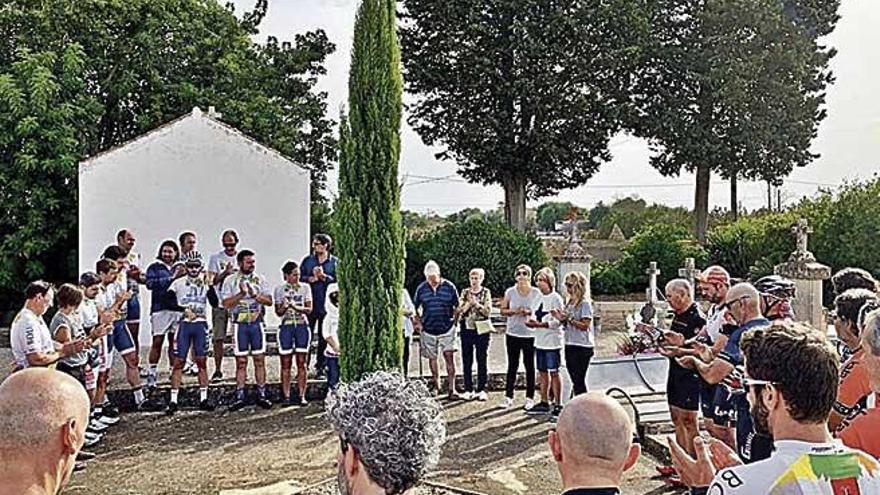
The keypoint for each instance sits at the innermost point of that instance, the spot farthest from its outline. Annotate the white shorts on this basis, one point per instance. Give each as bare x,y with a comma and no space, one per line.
164,322
434,345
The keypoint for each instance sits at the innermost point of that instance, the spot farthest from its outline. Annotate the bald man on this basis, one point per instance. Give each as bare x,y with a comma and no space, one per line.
593,445
43,418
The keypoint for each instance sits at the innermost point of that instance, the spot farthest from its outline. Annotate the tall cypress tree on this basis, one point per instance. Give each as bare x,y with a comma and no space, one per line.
368,220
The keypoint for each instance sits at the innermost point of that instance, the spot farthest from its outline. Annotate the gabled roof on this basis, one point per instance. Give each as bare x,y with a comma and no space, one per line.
196,113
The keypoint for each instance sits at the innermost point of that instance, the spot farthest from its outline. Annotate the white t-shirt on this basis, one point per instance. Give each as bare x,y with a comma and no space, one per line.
298,296
217,263
330,327
132,259
88,313
407,305
548,338
29,334
248,309
516,325
802,468
191,293
714,322
107,296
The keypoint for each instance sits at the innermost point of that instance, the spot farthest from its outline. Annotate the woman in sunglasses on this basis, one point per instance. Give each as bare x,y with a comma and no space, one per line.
520,339
577,317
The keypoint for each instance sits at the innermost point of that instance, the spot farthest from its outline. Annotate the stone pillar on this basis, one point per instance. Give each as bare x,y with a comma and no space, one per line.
807,274
575,259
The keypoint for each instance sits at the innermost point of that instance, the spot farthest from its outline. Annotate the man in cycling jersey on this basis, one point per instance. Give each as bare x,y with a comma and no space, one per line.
791,382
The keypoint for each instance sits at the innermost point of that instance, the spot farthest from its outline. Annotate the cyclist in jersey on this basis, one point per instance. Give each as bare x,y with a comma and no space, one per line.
717,409
244,294
854,387
861,433
293,304
791,380
192,331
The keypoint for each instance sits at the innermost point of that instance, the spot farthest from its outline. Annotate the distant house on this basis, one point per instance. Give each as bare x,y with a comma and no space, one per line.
195,173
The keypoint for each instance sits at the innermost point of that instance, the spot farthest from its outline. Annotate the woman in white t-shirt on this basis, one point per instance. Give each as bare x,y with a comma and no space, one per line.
519,339
577,316
548,342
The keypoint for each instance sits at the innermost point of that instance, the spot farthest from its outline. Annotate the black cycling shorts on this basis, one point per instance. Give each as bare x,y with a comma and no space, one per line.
683,388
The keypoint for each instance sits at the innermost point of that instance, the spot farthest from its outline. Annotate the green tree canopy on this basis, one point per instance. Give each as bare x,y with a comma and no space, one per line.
79,77
554,211
525,94
734,87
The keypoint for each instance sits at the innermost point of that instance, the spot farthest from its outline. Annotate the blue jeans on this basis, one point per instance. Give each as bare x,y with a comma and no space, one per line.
332,364
472,341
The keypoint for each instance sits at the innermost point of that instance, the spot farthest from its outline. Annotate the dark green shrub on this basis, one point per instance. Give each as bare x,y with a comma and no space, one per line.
668,245
606,279
474,243
752,246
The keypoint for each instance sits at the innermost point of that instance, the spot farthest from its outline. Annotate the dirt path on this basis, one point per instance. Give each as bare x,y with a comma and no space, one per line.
281,451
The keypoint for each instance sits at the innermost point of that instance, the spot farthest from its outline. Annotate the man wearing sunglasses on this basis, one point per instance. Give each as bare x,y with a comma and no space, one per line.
791,381
743,305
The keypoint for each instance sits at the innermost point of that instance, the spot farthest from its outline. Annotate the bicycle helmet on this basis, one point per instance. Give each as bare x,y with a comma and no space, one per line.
776,286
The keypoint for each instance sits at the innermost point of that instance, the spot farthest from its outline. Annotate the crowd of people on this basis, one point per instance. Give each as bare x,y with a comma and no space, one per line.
778,409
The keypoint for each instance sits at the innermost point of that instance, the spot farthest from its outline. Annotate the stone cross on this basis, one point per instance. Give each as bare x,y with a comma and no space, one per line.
802,231
652,272
689,273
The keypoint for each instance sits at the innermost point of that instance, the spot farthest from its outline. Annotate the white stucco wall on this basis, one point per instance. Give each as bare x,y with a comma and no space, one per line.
194,174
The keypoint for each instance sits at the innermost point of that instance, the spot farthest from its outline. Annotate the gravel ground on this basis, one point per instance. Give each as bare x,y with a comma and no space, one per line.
292,451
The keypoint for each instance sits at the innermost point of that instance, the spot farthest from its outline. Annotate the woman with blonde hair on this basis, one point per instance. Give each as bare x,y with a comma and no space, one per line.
519,339
548,343
474,307
577,318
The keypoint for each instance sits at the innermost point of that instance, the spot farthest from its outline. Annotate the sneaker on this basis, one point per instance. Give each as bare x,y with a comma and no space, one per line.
217,376
107,420
143,372
539,408
666,471
288,402
302,402
482,396
85,455
236,405
151,405
468,396
171,409
110,411
96,426
92,441
79,466
554,414
207,405
506,403
529,405
264,403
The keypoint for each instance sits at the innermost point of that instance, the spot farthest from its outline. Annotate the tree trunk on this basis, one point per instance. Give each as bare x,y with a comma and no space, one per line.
701,202
515,202
734,204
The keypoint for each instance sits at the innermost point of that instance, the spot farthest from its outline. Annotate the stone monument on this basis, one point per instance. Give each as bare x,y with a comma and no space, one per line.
689,273
574,259
807,274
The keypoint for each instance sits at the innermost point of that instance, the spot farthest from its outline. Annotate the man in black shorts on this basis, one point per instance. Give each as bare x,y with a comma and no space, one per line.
683,385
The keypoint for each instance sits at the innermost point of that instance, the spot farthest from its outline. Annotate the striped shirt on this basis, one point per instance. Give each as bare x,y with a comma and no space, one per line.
437,306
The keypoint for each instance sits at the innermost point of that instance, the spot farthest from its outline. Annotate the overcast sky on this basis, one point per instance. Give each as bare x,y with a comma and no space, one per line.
849,138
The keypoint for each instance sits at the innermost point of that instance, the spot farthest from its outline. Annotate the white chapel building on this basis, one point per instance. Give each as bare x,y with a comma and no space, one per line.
194,174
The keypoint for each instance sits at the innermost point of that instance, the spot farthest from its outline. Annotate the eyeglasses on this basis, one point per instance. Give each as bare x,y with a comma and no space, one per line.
751,382
522,273
730,304
569,285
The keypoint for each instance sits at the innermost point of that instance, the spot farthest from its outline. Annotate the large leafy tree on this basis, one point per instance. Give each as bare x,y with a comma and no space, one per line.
368,222
733,87
81,76
521,93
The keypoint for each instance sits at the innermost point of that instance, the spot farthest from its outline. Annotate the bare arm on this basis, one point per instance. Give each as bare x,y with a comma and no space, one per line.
715,371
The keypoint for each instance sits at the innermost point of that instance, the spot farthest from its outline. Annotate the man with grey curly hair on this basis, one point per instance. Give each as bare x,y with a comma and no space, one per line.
390,431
